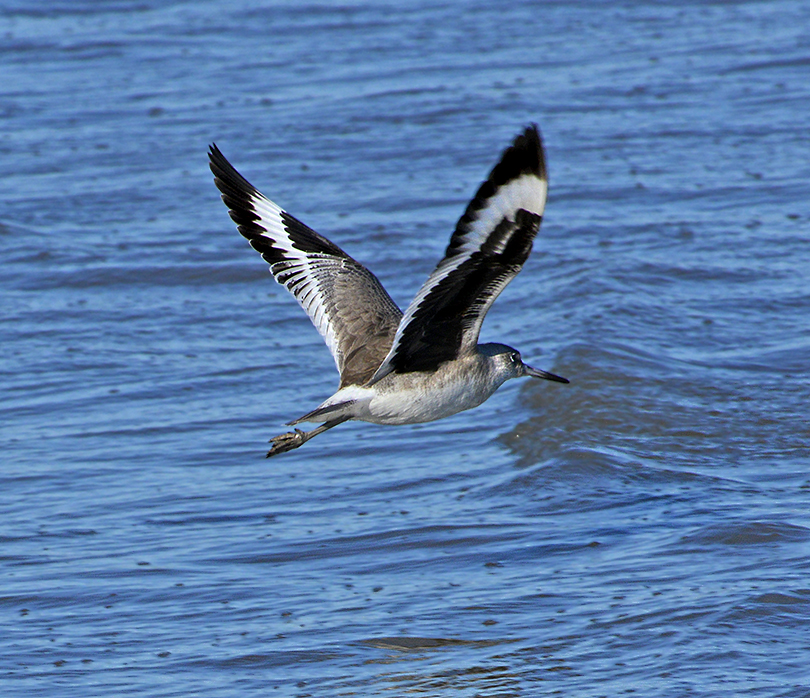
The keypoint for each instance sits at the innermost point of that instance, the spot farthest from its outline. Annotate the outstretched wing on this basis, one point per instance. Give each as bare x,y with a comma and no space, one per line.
491,242
345,301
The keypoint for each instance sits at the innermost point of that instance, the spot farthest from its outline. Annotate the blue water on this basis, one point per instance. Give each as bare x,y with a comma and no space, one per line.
644,530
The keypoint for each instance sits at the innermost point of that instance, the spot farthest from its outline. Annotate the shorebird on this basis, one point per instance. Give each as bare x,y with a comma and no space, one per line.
426,363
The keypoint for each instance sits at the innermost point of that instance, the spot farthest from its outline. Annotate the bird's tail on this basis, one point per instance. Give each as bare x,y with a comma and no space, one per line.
324,413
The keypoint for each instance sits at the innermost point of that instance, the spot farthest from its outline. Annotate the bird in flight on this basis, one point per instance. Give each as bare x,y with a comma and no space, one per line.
426,363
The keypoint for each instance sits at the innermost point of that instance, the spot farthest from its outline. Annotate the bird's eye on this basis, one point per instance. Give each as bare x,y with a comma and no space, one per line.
514,358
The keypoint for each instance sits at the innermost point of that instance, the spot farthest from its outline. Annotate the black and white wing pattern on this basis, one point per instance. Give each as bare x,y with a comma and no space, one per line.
345,301
491,242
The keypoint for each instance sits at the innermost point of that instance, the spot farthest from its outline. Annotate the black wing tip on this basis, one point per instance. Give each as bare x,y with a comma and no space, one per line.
217,162
238,195
534,140
524,156
226,176
235,189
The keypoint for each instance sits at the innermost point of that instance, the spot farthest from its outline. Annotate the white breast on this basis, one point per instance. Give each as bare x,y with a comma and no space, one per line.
412,398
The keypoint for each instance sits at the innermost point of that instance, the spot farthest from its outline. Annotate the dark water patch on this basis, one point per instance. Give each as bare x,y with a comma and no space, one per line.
798,62
273,660
748,533
799,598
410,644
194,518
772,608
423,538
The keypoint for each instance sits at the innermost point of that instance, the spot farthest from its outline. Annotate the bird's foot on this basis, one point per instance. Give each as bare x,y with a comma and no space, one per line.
287,442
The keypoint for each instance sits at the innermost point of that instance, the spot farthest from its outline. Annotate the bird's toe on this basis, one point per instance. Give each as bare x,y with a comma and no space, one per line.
285,442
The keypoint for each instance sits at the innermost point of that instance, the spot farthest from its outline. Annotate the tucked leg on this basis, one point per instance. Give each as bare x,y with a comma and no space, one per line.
294,439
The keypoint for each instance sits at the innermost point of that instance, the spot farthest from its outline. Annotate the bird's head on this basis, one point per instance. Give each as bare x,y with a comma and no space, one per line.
508,363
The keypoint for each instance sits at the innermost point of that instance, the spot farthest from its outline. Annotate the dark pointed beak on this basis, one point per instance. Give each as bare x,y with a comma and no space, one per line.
538,373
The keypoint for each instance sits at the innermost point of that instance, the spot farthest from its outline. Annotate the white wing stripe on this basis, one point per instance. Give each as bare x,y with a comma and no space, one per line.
527,192
298,274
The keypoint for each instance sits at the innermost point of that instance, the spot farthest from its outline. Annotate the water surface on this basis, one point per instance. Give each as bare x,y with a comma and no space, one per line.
643,530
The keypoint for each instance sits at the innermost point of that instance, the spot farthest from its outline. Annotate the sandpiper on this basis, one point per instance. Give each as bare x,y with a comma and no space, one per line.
426,363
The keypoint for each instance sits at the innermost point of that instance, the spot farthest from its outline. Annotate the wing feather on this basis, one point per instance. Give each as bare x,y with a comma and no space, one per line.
491,242
347,304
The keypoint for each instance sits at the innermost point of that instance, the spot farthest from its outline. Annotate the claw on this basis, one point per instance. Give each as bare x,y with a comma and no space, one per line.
286,442
293,439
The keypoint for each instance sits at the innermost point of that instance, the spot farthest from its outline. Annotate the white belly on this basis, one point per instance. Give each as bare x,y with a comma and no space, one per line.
412,398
